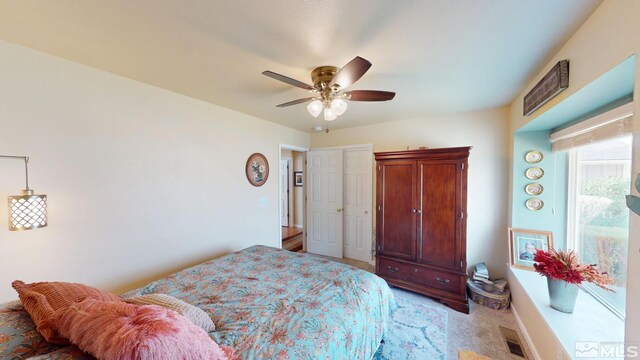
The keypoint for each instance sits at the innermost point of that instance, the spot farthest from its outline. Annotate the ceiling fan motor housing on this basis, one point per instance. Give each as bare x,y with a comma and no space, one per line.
322,76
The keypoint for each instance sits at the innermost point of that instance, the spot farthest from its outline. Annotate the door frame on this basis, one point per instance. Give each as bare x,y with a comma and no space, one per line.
368,147
289,163
304,206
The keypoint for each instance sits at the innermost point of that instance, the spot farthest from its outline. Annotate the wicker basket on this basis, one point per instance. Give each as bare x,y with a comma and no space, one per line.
492,299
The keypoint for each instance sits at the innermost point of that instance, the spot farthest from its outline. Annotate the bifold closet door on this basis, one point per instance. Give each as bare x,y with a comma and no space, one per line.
324,202
358,172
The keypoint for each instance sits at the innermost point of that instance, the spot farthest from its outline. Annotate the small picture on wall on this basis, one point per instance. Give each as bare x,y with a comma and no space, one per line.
523,245
297,178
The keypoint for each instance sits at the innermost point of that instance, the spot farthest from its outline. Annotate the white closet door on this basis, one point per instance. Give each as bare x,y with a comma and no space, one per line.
358,170
324,202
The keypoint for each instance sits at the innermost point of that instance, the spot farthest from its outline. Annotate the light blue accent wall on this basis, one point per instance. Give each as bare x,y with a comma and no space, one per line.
610,90
553,216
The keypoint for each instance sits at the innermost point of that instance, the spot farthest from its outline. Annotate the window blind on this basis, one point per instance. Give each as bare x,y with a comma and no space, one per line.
613,123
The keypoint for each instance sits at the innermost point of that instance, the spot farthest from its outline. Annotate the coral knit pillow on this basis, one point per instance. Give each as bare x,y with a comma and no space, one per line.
42,299
121,331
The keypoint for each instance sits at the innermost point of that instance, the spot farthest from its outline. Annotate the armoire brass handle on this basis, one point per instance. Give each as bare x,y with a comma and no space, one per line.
392,269
443,283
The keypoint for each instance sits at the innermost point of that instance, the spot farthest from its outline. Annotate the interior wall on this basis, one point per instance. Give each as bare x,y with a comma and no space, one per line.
553,216
140,181
487,132
607,38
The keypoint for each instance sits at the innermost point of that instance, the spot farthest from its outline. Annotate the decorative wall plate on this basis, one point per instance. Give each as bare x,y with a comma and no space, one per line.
534,173
534,189
533,157
257,169
534,204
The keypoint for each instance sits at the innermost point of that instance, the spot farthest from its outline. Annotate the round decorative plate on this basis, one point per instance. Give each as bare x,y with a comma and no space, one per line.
534,204
534,173
534,189
533,157
257,169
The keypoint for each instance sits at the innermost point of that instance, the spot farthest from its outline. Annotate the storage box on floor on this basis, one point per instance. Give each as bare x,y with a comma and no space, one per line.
493,299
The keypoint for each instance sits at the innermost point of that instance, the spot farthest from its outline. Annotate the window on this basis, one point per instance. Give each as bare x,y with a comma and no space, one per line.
598,224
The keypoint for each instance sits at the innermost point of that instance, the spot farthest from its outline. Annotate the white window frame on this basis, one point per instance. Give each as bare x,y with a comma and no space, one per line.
573,174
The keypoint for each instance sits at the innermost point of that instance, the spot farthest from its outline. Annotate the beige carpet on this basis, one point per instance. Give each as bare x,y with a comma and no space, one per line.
478,332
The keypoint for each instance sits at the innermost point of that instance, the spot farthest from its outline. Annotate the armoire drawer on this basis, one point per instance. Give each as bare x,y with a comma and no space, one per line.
420,275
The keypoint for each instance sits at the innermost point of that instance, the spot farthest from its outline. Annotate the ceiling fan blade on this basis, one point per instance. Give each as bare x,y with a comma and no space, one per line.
350,73
296,102
287,80
369,95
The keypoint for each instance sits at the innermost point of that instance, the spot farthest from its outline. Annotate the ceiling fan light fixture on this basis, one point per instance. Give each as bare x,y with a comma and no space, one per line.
315,107
329,114
339,106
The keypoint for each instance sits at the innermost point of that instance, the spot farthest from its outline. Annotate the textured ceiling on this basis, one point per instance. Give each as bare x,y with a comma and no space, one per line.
439,56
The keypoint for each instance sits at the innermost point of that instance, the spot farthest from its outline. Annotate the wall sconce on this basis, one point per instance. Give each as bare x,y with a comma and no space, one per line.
26,211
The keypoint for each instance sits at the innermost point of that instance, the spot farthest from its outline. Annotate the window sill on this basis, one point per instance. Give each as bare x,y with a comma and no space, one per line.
590,321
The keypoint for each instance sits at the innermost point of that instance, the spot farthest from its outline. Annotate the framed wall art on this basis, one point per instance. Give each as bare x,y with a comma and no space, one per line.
297,178
523,245
257,169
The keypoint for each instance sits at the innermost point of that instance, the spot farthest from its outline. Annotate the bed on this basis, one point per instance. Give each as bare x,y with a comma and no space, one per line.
266,303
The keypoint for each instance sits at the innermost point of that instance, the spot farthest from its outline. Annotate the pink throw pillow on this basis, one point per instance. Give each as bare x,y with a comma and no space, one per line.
42,299
117,330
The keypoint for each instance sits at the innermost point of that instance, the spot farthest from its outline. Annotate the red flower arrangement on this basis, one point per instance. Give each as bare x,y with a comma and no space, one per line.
565,265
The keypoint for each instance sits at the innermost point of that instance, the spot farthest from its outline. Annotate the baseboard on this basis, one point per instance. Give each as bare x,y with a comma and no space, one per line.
299,226
524,332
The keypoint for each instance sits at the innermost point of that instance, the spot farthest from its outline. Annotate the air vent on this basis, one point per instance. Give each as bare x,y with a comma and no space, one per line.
513,342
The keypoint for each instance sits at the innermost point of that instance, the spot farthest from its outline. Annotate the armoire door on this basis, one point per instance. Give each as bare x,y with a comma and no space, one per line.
440,213
396,209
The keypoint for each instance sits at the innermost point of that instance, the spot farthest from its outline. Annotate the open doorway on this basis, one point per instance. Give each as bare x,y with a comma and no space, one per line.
292,202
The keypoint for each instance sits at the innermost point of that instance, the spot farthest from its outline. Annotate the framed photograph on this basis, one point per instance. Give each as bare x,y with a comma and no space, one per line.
297,178
523,245
257,169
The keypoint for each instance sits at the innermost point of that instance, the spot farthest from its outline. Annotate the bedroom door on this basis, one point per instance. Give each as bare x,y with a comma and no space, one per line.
324,202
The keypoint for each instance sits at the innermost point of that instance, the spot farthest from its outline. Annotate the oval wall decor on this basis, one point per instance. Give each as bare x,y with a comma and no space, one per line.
534,189
533,156
534,204
534,173
257,169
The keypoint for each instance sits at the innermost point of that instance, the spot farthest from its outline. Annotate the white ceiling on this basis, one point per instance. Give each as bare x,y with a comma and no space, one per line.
439,56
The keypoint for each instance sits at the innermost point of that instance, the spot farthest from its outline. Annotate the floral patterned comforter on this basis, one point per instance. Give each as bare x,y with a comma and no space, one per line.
266,303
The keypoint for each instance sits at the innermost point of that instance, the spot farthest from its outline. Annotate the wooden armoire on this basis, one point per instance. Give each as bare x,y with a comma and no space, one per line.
421,205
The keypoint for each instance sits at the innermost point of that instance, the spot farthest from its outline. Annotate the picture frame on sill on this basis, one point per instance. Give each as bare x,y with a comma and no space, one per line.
523,245
297,178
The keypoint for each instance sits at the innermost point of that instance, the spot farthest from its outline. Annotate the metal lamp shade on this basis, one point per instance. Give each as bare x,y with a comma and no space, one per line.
27,211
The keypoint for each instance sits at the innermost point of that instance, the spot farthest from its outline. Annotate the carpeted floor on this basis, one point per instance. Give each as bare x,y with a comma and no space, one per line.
479,331
416,331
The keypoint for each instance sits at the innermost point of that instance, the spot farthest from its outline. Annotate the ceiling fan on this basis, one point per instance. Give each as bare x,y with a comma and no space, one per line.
328,85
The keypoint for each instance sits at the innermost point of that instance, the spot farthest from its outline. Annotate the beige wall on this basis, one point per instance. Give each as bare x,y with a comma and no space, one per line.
141,181
487,132
607,38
